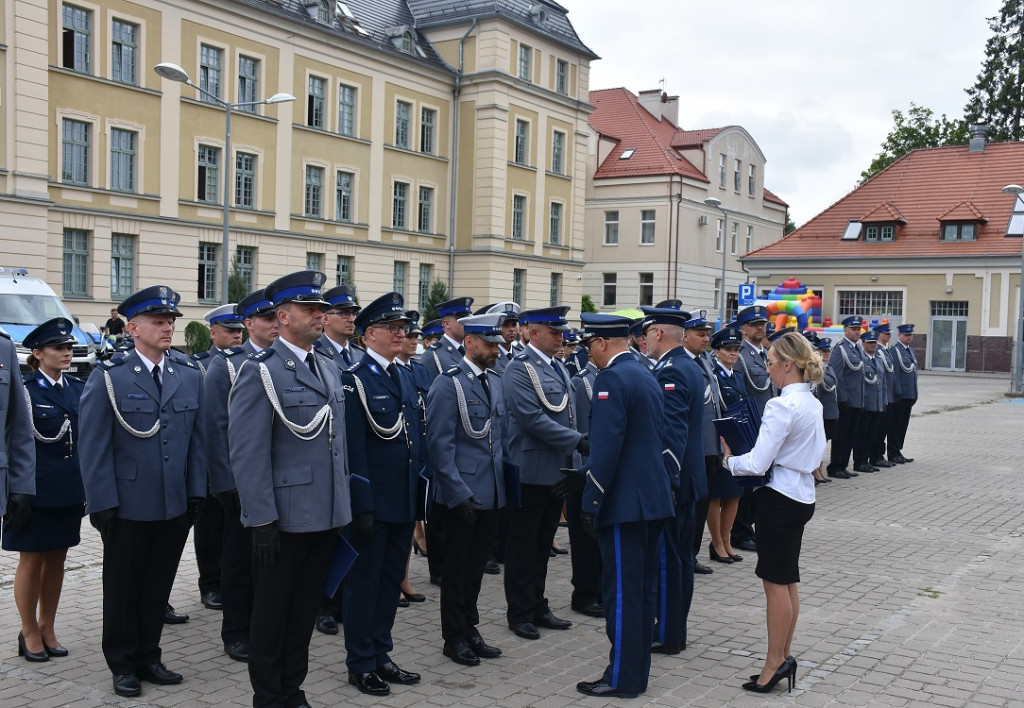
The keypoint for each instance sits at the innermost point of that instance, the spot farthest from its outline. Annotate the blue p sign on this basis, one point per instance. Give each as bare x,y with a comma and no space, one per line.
746,295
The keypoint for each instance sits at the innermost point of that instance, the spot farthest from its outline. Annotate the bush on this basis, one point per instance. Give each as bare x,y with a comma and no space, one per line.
588,305
197,337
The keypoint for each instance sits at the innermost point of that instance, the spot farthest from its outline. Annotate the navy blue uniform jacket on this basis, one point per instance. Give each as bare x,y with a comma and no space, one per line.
682,384
58,476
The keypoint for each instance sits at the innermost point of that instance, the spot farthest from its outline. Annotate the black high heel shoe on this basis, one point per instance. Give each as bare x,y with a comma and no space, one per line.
786,671
55,651
30,655
417,550
789,660
715,557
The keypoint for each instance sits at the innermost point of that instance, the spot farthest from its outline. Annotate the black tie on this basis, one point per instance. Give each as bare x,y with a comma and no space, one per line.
764,358
393,373
345,355
311,363
487,386
462,350
156,380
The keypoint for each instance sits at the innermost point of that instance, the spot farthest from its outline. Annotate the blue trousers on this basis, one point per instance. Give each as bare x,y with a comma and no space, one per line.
675,578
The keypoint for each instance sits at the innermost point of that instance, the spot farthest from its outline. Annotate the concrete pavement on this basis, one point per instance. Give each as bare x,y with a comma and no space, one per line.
911,596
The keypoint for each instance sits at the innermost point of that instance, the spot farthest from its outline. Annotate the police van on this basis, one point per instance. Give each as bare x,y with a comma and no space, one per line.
27,302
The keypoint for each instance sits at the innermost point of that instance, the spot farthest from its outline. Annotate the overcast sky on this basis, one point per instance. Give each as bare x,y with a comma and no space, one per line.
813,81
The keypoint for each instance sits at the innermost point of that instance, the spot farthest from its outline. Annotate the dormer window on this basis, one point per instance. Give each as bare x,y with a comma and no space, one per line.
402,39
539,14
323,12
879,232
959,231
407,42
1015,227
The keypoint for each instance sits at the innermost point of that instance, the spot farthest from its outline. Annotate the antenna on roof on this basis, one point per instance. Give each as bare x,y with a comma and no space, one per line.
662,82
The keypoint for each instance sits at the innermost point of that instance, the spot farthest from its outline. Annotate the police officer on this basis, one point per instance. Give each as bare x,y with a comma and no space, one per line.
466,443
257,313
386,456
286,417
340,325
626,501
509,332
906,393
887,364
406,357
847,364
585,556
872,417
448,350
825,392
432,332
543,436
144,436
16,442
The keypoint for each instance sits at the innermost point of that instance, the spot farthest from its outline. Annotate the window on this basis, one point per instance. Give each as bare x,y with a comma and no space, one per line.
426,278
521,142
346,110
428,118
406,42
402,112
245,262
208,174
886,233
720,237
558,152
647,227
525,55
647,289
721,171
313,204
626,154
611,228
869,303
518,285
122,265
556,289
425,216
210,63
718,293
400,268
75,168
323,12
555,234
852,232
750,239
343,196
736,176
1015,226
343,273
76,39
122,160
124,51
314,261
562,76
399,205
735,237
518,217
76,262
207,287
751,179
608,291
958,232
248,82
315,102
871,233
950,308
245,180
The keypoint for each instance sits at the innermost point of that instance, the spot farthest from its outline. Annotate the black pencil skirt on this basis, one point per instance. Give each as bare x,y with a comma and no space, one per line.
778,532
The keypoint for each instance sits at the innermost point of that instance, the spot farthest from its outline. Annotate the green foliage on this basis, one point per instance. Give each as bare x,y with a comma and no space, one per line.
438,294
917,129
197,337
790,225
236,284
997,97
588,305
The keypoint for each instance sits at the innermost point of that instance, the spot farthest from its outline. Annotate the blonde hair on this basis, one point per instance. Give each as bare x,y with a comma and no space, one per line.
795,348
32,362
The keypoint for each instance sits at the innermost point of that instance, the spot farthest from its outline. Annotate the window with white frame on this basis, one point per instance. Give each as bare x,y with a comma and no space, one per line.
525,61
76,262
343,272
556,289
323,12
316,102
343,196
400,206
124,52
736,176
313,201
122,265
522,142
611,228
562,76
207,174
245,262
610,282
75,145
346,110
750,239
428,121
721,171
518,217
425,215
869,303
248,82
646,289
403,111
206,290
751,179
887,232
399,279
735,238
77,38
518,285
555,231
426,278
123,146
211,62
558,152
245,180
647,226
314,261
959,232
720,236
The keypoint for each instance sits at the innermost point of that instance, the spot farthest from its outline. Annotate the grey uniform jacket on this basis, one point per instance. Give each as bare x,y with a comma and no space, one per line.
583,393
755,375
17,446
905,371
541,441
888,366
712,405
146,479
220,375
354,352
303,485
847,363
873,384
440,356
826,393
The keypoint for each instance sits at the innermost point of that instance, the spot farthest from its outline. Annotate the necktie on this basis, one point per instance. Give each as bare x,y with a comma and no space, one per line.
462,350
487,386
393,373
58,387
156,379
311,363
764,358
346,356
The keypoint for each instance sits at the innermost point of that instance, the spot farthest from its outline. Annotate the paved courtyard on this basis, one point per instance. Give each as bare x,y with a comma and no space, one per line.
912,595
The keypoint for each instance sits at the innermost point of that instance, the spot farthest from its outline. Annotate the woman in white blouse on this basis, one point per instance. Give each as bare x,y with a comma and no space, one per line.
791,444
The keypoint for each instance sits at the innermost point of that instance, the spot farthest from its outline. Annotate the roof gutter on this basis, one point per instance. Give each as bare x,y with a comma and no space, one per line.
453,189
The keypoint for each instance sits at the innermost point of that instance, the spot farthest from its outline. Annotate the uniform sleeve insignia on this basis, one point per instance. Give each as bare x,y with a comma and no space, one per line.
263,354
602,395
452,371
202,355
670,387
373,368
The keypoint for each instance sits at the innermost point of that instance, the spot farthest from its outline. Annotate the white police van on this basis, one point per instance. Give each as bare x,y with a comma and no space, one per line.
27,302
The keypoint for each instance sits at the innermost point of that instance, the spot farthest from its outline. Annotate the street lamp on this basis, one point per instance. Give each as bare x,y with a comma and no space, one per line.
173,72
1017,378
717,204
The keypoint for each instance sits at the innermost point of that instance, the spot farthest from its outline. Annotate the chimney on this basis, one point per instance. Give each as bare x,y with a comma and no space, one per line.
670,109
651,100
978,133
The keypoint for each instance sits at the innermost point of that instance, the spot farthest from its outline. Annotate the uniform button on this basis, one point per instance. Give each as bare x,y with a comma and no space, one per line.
166,458
164,409
67,457
65,415
594,503
165,442
285,480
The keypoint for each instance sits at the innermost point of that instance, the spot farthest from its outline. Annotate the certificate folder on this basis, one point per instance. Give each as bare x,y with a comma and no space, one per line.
341,562
739,426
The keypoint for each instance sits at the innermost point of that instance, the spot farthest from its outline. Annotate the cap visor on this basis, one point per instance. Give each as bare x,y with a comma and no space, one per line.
491,338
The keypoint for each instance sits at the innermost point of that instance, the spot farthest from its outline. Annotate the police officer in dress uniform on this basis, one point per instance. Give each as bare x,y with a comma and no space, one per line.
432,332
680,376
874,398
847,364
626,501
509,332
144,436
906,393
386,455
258,316
18,476
448,350
466,443
407,355
825,392
286,416
887,362
542,436
340,325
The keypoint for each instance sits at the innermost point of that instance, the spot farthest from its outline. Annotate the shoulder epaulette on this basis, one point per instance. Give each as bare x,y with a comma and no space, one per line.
435,346
521,357
69,377
201,355
323,349
4,333
263,354
234,351
452,371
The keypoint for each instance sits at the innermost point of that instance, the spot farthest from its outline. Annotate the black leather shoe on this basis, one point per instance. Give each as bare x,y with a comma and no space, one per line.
863,468
369,683
701,569
907,459
212,600
591,609
239,651
525,630
840,474
492,567
326,624
414,596
549,621
659,648
736,558
482,649
172,617
34,656
402,602
392,674
747,545
882,463
160,674
460,653
127,685
56,651
713,555
897,459
602,690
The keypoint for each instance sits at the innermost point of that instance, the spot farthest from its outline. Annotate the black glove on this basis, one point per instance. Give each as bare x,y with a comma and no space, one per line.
587,521
362,527
572,482
105,522
195,505
19,509
230,501
466,511
583,446
266,542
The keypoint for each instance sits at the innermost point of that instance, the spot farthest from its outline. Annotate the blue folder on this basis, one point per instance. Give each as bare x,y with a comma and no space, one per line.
740,426
342,560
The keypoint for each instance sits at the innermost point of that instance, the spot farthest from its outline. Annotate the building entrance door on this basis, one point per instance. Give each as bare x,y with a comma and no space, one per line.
947,343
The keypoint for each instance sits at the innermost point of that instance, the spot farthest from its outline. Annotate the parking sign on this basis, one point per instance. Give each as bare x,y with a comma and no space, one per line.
746,294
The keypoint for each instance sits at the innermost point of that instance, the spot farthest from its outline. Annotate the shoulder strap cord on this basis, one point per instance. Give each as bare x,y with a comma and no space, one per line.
846,359
886,362
906,369
588,387
746,375
65,429
324,416
464,414
232,373
440,369
543,398
380,431
120,419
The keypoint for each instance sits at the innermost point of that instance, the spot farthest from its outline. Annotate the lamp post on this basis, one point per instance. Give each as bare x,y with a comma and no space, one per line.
173,72
717,204
1017,378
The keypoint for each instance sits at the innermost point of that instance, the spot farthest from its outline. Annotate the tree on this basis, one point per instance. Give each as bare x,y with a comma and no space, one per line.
236,283
918,129
790,225
588,305
438,294
997,97
197,337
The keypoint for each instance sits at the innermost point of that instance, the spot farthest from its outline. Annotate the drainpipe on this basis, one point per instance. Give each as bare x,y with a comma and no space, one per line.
453,190
675,255
668,241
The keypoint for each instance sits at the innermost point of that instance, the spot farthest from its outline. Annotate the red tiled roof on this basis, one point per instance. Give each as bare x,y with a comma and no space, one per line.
927,184
883,212
772,197
689,139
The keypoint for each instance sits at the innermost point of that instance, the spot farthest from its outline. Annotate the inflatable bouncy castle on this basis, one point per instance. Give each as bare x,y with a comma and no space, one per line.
791,304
